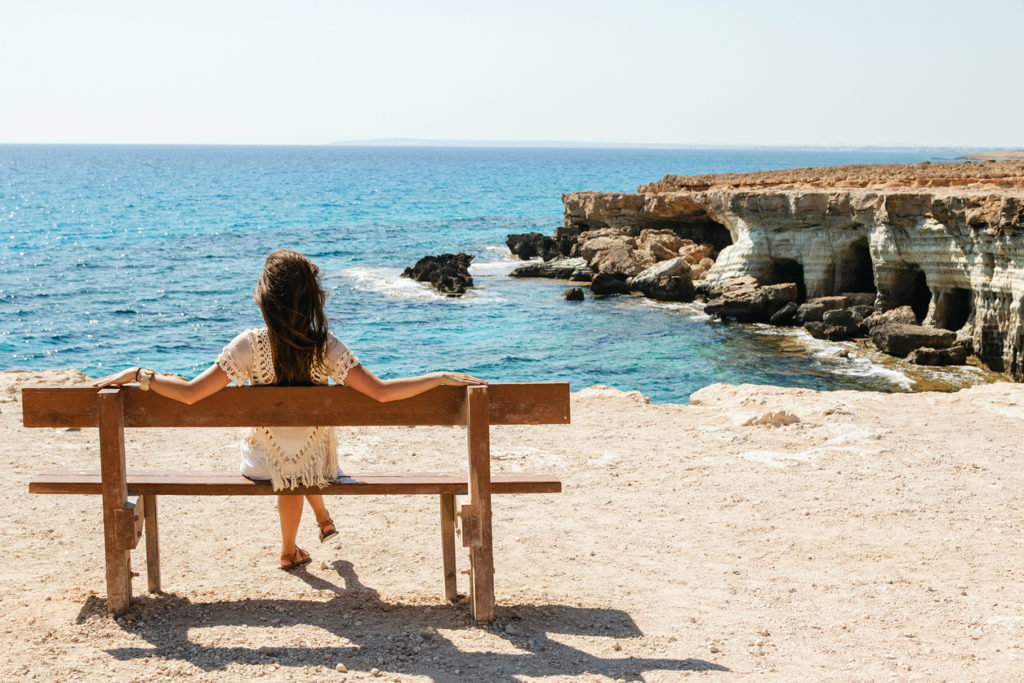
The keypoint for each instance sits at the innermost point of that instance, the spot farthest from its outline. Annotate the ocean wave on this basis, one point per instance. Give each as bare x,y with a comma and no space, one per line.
390,283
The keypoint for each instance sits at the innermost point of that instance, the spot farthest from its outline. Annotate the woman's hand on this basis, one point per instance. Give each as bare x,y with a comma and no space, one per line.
460,379
118,378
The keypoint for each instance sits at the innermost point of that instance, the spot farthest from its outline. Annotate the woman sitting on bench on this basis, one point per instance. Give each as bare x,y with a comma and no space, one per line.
294,349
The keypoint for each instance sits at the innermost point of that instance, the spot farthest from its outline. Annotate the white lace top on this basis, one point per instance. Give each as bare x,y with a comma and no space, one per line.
291,456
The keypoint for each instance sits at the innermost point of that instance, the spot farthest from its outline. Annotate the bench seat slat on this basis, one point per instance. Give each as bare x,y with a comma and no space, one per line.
194,483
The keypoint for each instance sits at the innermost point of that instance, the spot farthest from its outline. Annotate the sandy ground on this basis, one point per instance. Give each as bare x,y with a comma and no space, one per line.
860,536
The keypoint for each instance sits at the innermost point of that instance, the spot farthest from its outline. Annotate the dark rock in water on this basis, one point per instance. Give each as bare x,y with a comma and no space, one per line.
954,355
820,330
785,315
606,285
447,273
903,315
530,245
746,301
575,269
899,340
573,294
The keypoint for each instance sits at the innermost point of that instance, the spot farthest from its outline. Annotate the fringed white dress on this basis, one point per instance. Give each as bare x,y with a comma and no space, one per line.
287,456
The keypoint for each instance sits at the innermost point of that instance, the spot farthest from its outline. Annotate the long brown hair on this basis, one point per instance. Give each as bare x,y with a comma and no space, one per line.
292,302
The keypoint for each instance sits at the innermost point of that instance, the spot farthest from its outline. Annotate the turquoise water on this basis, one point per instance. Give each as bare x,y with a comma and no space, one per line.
125,255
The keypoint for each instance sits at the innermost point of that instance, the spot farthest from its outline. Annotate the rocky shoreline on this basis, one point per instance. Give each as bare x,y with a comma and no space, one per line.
922,258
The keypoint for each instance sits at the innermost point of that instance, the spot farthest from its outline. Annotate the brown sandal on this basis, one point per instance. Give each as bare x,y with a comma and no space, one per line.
296,559
324,533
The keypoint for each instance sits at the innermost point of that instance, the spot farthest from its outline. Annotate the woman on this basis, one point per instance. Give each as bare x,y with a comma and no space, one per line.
294,349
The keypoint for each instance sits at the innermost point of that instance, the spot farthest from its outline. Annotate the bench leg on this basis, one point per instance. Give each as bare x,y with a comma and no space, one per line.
152,545
448,546
118,559
481,554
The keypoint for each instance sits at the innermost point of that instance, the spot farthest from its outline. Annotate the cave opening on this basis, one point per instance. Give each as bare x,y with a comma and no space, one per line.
952,308
856,270
790,270
920,296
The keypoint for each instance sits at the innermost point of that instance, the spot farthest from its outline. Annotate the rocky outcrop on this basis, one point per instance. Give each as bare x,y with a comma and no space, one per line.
576,269
447,273
947,240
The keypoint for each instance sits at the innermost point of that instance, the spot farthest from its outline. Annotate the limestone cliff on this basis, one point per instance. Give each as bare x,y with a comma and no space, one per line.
946,239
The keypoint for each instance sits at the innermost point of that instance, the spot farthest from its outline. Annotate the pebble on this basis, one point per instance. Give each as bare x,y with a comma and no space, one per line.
375,671
341,668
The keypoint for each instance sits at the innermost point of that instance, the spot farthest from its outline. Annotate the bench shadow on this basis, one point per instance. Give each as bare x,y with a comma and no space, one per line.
394,638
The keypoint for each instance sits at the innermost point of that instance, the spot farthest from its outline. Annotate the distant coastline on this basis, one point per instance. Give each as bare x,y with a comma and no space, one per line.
997,155
952,151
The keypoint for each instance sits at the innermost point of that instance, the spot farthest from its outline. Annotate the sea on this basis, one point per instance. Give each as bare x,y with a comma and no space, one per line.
118,255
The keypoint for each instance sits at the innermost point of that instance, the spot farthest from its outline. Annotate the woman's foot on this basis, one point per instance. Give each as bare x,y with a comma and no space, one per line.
327,529
295,559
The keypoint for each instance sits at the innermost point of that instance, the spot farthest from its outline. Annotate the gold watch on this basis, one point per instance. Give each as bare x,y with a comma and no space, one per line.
145,377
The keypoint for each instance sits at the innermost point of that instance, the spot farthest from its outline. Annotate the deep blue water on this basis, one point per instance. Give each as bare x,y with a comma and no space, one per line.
123,255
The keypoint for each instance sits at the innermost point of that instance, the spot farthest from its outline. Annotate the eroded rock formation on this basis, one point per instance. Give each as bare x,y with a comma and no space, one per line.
945,239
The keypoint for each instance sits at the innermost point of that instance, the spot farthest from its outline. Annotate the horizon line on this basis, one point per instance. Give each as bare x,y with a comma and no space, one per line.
545,144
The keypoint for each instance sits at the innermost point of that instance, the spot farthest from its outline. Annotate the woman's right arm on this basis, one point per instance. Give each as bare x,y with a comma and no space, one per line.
209,382
383,390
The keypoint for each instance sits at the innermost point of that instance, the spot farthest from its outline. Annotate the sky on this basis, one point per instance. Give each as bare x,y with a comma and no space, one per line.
729,72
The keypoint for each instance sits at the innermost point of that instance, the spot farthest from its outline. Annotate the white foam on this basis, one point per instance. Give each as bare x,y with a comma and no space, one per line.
389,282
500,267
386,281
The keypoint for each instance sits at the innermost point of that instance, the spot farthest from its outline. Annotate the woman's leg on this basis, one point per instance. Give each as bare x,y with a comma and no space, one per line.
289,509
316,501
323,518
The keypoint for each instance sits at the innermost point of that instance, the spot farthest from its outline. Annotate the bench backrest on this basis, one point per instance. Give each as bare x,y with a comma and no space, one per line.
541,403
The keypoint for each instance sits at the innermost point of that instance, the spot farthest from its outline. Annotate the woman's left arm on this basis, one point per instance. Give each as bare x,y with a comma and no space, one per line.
208,382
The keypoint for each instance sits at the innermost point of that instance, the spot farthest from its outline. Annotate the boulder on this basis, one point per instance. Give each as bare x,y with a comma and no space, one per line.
954,355
846,318
742,299
611,252
530,245
559,269
670,288
607,285
904,315
821,330
447,273
573,294
814,309
785,315
658,245
899,339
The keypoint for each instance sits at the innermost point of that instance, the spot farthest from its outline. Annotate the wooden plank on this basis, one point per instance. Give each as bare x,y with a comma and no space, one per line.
115,495
188,483
152,545
448,546
539,403
481,556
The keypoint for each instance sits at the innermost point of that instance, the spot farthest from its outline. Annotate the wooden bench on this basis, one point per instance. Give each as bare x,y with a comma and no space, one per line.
125,521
